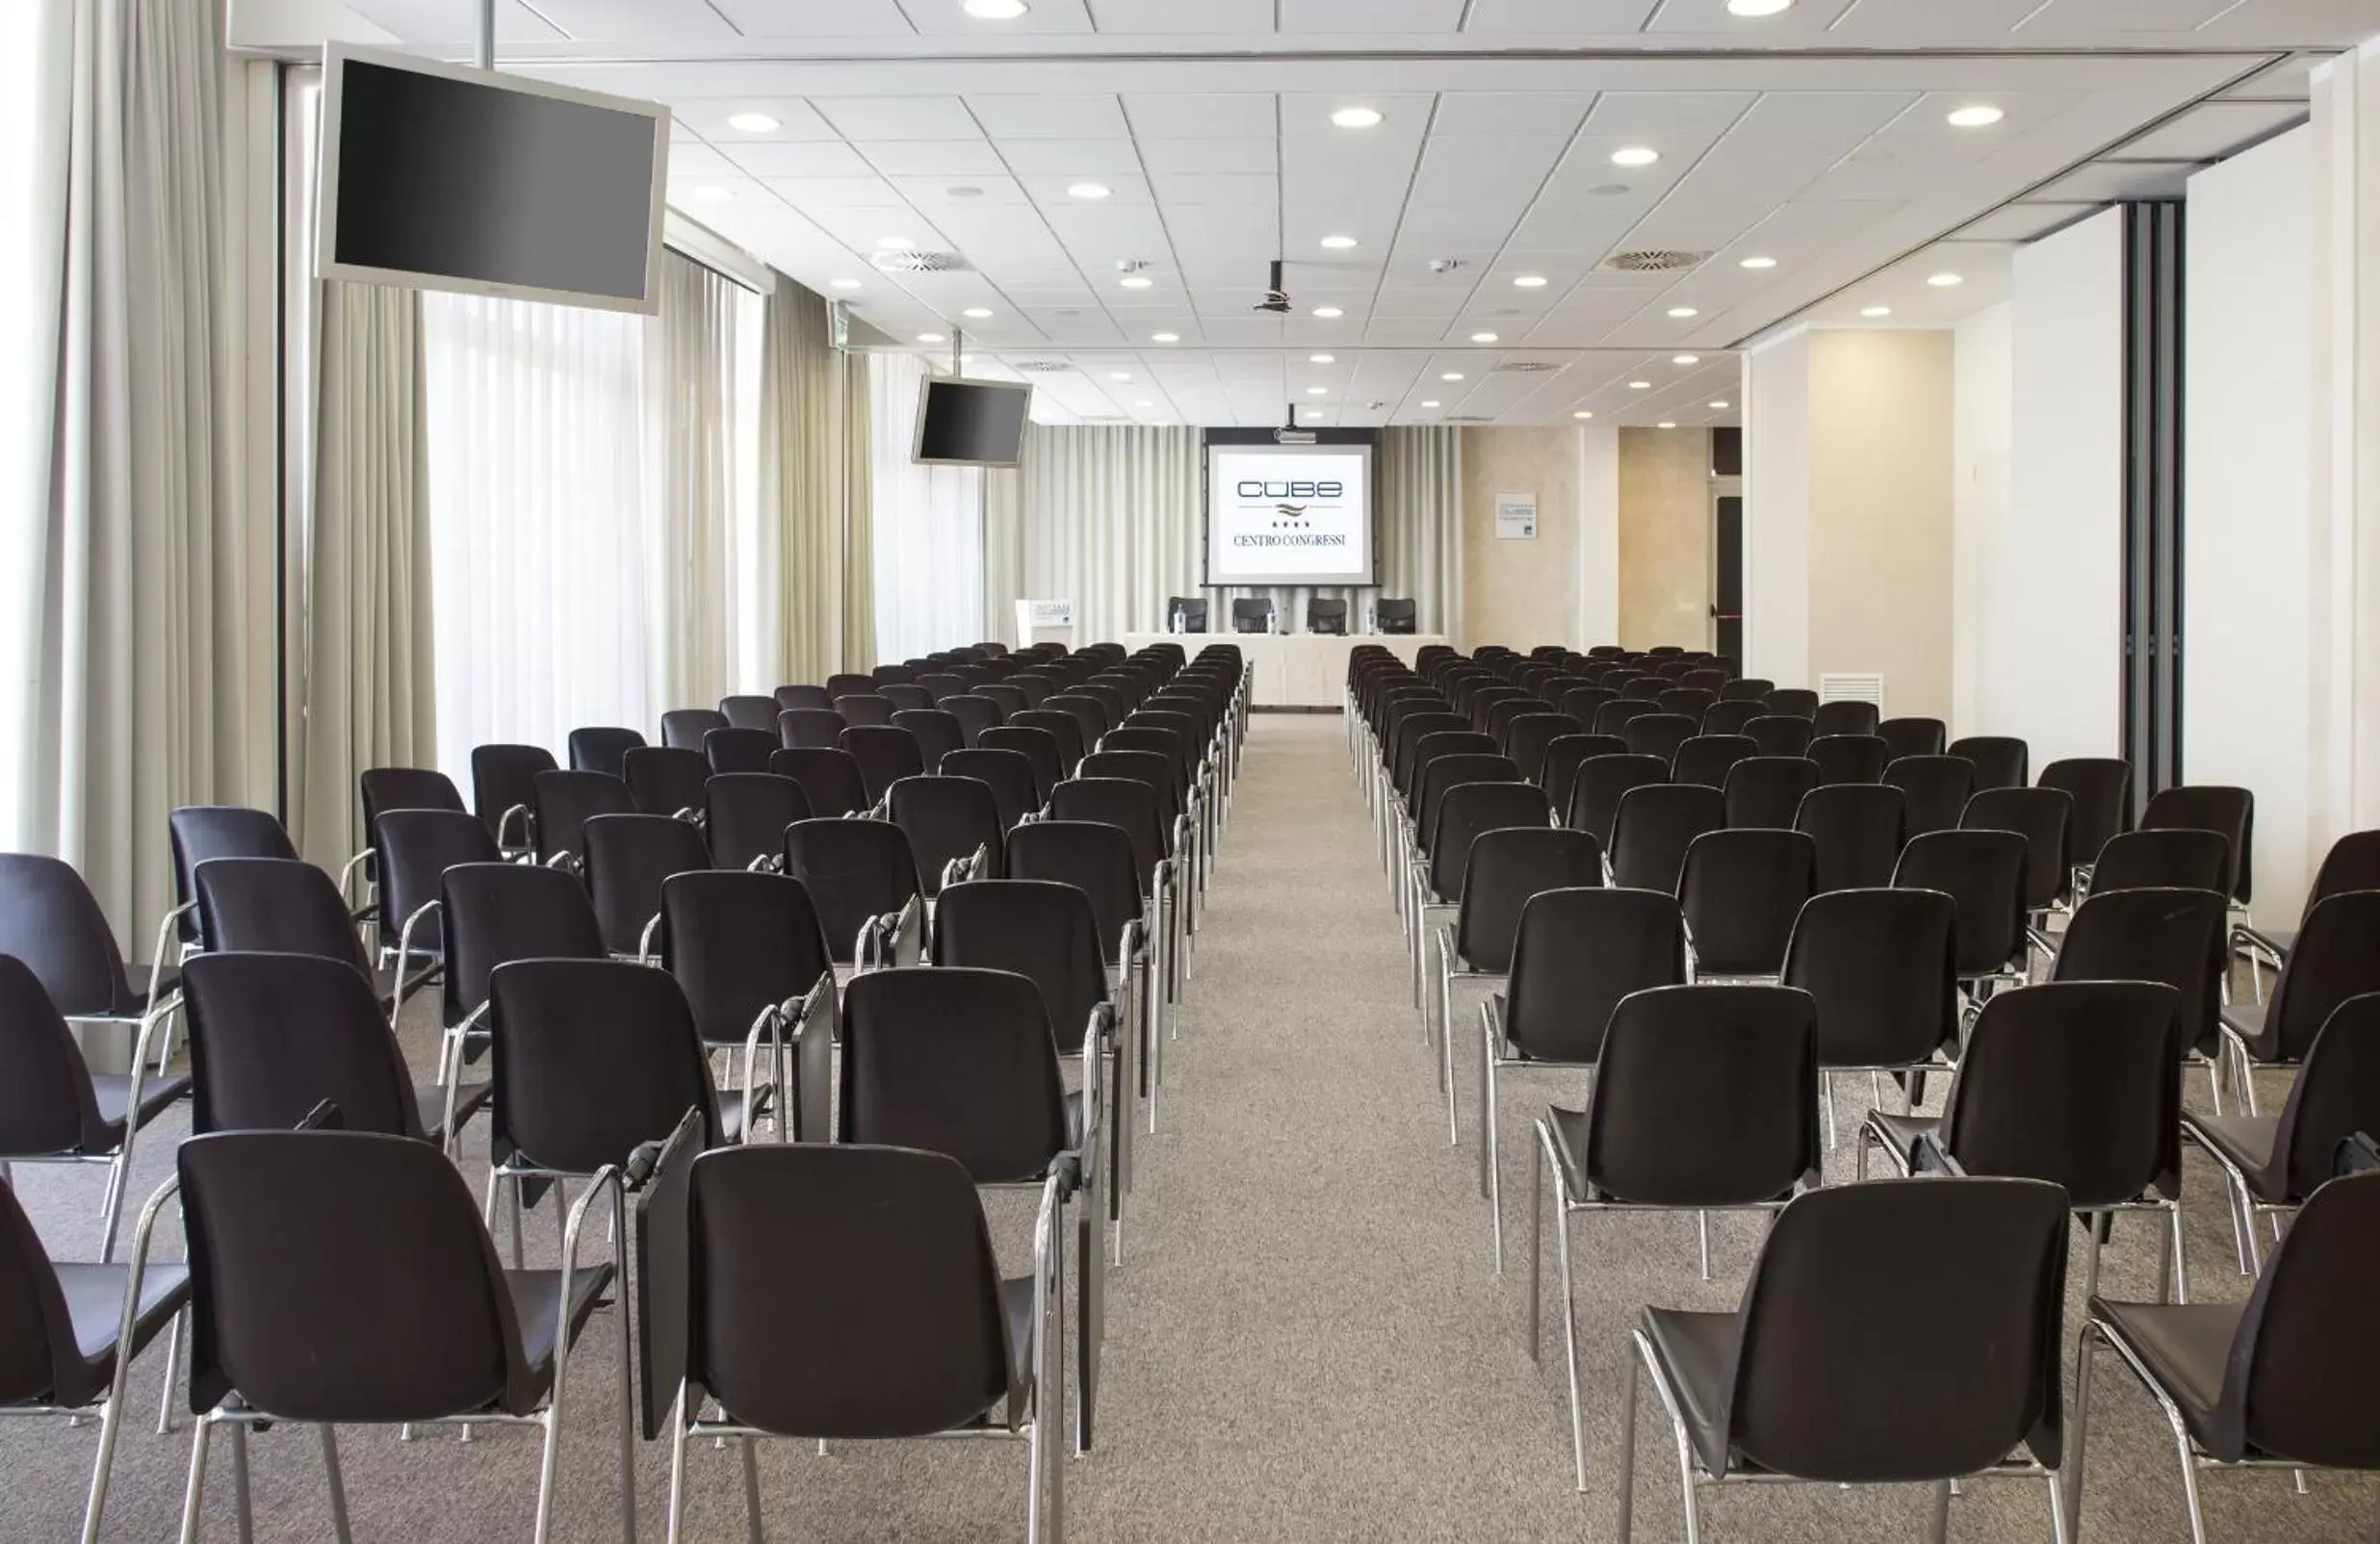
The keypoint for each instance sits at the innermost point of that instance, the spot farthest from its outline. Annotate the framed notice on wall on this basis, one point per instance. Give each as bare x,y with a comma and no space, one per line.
1517,517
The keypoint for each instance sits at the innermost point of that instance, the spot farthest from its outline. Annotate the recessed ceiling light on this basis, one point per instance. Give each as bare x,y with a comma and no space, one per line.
753,122
1317,390
1759,7
1686,359
1664,425
1329,313
1757,262
843,283
1136,281
1946,281
1682,312
1635,155
964,192
1582,413
895,244
1529,281
1088,190
1355,117
1719,407
1482,337
1981,115
976,312
930,337
993,10
1433,403
1640,385
1338,244
1165,337
1875,311
1119,375
1321,359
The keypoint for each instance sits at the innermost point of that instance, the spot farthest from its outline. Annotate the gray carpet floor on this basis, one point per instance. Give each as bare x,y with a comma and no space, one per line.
1307,1339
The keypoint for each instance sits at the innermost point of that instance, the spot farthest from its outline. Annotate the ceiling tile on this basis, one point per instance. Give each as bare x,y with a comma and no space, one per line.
1069,158
799,158
2105,182
934,157
2212,131
1050,117
816,18
898,117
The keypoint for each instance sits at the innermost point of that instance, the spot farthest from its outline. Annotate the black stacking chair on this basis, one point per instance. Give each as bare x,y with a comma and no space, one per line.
1501,713
1767,790
2001,761
1558,773
1705,1099
1984,872
1577,954
843,1293
747,949
809,728
828,777
953,825
662,780
2211,806
1708,678
1615,717
1858,828
1691,702
381,789
628,856
2333,960
795,697
1134,808
1708,758
488,913
2162,860
1880,966
1647,688
1099,860
1844,718
317,1259
937,733
566,802
1089,713
1740,891
739,750
200,832
2276,1382
683,727
1506,868
1251,615
62,1328
1653,827
2043,817
974,713
749,710
1848,759
1008,774
1396,615
417,847
1912,737
1325,616
53,1108
868,710
2352,864
282,905
2169,936
1586,703
1730,716
601,750
2101,788
1463,811
905,697
1601,782
863,877
1793,702
962,1062
1779,733
884,755
937,684
1062,726
1040,747
1747,689
1006,696
1936,789
1969,1274
501,782
1527,735
744,817
850,683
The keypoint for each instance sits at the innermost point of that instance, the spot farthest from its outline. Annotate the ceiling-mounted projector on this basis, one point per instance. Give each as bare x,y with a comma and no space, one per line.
1289,433
1275,299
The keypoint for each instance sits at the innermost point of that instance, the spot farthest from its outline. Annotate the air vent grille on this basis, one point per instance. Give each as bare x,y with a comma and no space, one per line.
1041,367
1468,417
1857,687
922,263
1527,366
1653,261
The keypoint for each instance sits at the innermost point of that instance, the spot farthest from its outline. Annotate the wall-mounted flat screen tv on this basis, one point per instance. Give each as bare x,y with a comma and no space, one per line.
970,423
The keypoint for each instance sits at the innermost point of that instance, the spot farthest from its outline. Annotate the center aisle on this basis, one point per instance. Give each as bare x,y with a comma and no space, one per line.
1313,1348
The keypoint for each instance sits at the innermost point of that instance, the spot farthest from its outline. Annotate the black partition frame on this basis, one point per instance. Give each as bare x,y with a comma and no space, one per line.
2153,513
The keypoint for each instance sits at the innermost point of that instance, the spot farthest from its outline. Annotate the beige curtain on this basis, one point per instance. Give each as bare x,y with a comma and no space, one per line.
369,665
690,357
1111,519
814,490
133,591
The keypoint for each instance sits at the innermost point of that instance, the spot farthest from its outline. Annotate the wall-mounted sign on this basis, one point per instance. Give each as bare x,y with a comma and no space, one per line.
1052,614
1517,517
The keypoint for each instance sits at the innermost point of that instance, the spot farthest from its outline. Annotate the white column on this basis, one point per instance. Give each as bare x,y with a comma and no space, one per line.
1598,536
1776,509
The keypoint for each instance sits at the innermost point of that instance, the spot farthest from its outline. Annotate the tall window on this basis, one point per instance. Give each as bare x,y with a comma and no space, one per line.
929,525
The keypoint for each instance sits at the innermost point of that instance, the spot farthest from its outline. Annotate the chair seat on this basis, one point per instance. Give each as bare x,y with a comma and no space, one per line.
736,1112
429,1099
2184,1347
135,1001
1694,1350
536,1296
114,1092
2247,1141
2246,1019
2277,942
1901,1132
94,1296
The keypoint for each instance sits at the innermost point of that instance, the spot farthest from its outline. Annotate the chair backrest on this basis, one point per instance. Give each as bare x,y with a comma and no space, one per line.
1780,733
1912,737
809,728
1747,689
1849,717
1436,747
1705,1096
1615,717
47,1102
1093,857
1061,725
1693,701
937,684
974,713
1984,872
1659,734
1130,806
2162,860
1408,727
2333,960
273,1035
1008,774
1937,788
1558,772
344,1277
1508,868
870,709
1526,735
405,788
1160,772
793,697
2001,761
200,831
1858,828
1708,758
1598,786
1041,929
2177,937
1251,614
937,733
683,727
497,913
566,801
2352,864
1767,791
501,786
1741,891
2211,806
42,1362
2101,788
884,755
1584,703
628,856
2042,816
1465,813
739,750
2073,1082
1396,615
1325,616
1879,964
2337,1094
1967,1275
740,943
1730,715
850,683
946,819
827,776
1041,749
417,847
1447,773
904,696
1577,954
593,1058
746,814
1189,610
601,749
276,906
1793,702
1653,827
855,871
1848,758
749,710
664,780
953,1059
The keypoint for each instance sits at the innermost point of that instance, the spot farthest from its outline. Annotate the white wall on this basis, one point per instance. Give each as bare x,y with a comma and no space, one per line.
1598,536
1776,510
2048,633
2248,559
1982,458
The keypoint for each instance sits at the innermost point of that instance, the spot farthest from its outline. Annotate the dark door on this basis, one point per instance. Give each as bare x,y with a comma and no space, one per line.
1727,577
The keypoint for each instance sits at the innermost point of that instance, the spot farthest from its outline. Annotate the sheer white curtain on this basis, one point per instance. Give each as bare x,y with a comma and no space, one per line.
31,220
540,541
928,525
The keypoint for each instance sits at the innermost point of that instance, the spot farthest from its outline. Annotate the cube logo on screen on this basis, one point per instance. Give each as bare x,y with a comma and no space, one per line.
1288,517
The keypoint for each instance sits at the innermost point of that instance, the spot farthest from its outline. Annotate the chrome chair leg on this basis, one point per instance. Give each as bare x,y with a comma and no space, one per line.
1491,1154
242,1508
674,1514
1626,1532
337,1484
1938,1531
2190,1480
173,1362
750,1490
2078,1433
1537,1249
1570,1330
194,1495
1702,1235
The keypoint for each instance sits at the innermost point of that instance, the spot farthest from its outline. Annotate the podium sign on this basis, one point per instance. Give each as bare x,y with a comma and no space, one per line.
1045,621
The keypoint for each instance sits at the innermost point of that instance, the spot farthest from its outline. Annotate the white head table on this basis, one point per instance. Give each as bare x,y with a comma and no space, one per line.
1294,669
